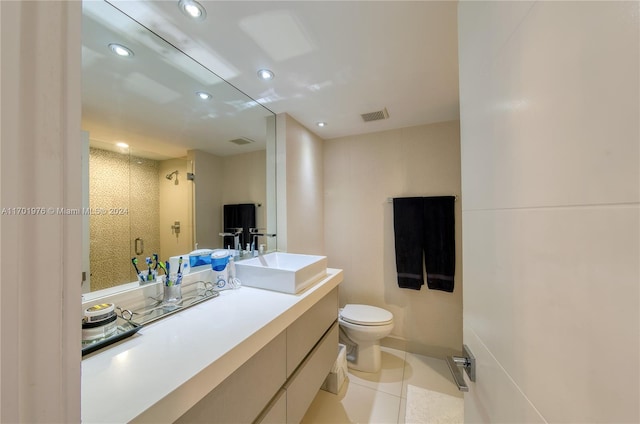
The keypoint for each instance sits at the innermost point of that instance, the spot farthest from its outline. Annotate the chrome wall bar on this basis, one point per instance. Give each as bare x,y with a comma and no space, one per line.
468,363
455,197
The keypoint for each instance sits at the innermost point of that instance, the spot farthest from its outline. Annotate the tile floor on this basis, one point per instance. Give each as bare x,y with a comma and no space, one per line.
381,397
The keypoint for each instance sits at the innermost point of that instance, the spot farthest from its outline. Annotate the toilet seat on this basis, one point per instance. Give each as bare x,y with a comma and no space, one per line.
366,315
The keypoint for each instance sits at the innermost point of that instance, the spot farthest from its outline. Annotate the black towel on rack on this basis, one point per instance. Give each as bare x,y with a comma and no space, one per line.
408,226
439,242
424,227
239,216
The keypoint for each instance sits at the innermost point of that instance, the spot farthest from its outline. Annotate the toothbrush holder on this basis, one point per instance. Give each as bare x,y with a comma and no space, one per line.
145,277
172,291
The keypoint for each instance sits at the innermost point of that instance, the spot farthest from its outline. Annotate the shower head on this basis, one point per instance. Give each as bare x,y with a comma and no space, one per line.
170,176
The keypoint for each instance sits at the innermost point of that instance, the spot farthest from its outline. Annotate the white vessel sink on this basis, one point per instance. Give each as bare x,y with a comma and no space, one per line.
282,272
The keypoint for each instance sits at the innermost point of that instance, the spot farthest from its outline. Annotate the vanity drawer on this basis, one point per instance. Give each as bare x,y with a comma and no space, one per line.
276,412
303,386
304,333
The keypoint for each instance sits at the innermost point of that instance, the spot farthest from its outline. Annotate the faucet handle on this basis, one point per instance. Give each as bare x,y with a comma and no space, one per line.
260,232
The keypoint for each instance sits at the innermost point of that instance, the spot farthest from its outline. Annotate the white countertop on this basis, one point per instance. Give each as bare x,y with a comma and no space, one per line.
168,366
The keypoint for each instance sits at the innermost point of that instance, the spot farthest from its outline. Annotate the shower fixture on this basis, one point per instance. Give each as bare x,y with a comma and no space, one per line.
170,176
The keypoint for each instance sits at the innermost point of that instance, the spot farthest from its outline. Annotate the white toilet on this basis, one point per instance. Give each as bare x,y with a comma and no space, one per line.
366,325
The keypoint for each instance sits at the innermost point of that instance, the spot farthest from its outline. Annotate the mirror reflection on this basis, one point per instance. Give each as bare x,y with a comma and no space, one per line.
167,145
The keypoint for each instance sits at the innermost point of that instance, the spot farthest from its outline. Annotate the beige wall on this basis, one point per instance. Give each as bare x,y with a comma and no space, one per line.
40,286
360,174
226,180
551,215
176,204
244,182
300,182
208,192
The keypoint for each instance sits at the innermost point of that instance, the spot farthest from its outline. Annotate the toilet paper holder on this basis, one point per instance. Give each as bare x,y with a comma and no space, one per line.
467,362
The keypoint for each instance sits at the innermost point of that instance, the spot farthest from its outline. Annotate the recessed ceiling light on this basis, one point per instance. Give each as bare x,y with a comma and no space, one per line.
120,50
265,74
321,124
203,95
122,144
192,9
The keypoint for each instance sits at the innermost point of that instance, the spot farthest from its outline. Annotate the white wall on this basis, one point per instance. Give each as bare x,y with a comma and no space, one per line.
300,188
550,182
361,173
41,254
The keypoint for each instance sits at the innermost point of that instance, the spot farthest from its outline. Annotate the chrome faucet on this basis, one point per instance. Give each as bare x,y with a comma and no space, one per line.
235,233
255,233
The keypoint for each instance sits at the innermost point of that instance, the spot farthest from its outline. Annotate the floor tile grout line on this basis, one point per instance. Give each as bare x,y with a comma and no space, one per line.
377,389
374,389
403,391
400,398
404,368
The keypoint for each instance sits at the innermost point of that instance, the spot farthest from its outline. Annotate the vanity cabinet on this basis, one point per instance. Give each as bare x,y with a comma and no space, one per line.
242,396
304,333
276,412
279,382
304,383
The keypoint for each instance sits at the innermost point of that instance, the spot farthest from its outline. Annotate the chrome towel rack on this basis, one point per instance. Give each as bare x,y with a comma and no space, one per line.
468,363
455,197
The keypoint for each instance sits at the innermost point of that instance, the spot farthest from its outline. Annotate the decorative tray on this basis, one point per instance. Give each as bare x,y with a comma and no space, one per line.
130,321
124,329
192,294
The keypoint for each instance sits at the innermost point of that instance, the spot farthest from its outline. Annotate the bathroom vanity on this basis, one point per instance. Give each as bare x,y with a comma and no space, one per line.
249,355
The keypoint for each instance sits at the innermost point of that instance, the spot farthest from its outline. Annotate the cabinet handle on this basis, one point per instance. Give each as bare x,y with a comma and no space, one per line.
139,246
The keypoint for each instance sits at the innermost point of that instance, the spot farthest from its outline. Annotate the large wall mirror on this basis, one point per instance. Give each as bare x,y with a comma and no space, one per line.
167,145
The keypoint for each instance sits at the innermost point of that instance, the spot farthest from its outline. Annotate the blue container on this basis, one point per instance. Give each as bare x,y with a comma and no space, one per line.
199,260
219,262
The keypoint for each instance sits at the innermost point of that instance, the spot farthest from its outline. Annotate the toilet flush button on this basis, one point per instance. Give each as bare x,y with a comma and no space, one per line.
366,314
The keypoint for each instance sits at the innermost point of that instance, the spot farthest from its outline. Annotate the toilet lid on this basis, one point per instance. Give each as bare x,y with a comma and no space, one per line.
366,315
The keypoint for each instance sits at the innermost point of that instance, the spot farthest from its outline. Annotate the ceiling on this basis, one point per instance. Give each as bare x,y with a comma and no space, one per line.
149,100
333,60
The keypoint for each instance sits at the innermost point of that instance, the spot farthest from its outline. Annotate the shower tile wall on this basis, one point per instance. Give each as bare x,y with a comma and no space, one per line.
144,209
118,181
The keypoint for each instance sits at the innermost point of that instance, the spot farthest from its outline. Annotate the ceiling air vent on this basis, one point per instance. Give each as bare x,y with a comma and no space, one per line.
241,141
375,116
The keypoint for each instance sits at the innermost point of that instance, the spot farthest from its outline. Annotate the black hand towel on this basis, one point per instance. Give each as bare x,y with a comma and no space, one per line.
239,216
439,242
408,225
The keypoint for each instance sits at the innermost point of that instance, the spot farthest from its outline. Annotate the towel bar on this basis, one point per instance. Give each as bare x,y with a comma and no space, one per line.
468,362
455,198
